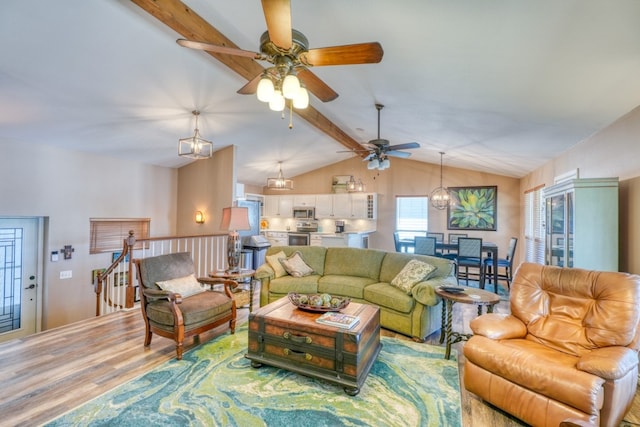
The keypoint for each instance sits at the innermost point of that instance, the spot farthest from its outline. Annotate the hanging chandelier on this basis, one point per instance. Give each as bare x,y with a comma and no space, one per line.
440,197
279,183
354,186
195,147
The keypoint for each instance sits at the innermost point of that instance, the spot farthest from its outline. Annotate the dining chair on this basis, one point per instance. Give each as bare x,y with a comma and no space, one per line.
453,239
439,236
425,246
396,241
504,266
470,256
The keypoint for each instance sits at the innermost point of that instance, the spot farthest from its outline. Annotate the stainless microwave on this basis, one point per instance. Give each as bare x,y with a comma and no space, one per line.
304,212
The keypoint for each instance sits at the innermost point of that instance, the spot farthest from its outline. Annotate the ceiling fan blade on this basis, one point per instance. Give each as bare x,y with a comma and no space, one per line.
406,146
316,86
218,49
277,14
251,87
362,53
354,151
401,154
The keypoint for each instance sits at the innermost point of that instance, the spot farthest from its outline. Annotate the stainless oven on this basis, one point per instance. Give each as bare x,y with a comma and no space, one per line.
299,239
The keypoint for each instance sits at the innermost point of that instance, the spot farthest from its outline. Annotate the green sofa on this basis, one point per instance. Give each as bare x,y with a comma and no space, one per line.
364,275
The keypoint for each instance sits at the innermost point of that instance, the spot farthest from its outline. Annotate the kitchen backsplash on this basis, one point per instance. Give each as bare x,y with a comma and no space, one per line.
324,225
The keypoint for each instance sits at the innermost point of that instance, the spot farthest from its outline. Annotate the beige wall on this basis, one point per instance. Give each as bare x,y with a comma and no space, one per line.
208,186
409,177
67,188
612,152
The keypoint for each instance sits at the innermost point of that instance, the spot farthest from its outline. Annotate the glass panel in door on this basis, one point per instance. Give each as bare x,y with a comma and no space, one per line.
18,283
556,230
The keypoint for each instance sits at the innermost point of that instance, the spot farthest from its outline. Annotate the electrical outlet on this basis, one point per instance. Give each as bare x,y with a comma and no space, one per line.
67,274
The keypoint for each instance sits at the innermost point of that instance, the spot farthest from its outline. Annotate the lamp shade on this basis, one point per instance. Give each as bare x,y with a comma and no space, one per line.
235,218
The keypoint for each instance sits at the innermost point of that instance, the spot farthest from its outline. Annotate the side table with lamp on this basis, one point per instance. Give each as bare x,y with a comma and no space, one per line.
234,219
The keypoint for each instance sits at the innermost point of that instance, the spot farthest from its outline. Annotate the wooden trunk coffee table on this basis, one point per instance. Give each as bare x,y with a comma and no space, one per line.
286,337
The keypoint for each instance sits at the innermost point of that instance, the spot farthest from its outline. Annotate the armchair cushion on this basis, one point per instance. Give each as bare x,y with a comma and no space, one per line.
197,310
185,286
609,363
498,326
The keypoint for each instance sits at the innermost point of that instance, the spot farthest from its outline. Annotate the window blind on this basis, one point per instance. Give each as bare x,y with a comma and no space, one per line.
107,234
534,225
412,213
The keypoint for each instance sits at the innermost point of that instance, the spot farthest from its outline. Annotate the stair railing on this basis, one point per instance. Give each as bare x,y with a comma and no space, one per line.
116,287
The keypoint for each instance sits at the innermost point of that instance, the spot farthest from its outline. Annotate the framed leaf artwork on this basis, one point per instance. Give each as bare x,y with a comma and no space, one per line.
473,208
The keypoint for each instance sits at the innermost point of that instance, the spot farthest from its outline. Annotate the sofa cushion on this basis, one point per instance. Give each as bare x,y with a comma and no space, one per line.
274,263
348,286
385,295
353,262
413,272
296,266
185,286
301,285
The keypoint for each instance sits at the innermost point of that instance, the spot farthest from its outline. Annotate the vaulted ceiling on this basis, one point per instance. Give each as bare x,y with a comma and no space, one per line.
500,85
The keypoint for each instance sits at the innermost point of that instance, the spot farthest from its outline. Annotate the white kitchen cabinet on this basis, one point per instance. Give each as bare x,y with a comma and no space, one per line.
305,200
341,206
315,240
352,240
581,227
277,238
324,206
275,205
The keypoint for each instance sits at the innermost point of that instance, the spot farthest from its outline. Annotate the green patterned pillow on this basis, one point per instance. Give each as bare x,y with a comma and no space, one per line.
413,272
296,266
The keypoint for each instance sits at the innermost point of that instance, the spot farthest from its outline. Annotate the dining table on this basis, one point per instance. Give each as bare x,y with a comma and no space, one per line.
490,248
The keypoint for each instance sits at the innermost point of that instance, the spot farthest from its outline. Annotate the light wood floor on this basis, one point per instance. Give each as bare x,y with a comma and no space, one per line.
47,374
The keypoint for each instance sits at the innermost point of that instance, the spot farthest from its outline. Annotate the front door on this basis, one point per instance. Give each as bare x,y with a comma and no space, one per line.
20,289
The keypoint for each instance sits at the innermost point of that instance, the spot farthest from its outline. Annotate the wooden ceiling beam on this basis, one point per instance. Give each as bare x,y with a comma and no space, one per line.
184,21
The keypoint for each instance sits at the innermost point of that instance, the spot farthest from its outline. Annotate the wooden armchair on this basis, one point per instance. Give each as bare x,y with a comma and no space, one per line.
174,305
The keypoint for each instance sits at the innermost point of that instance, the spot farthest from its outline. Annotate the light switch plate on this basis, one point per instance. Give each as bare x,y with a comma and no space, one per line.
67,274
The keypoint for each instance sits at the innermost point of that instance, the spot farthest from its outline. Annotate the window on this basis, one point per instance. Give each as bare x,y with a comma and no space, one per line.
412,215
534,225
107,234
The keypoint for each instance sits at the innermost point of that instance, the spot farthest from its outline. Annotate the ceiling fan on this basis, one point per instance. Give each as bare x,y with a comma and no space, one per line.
288,50
380,149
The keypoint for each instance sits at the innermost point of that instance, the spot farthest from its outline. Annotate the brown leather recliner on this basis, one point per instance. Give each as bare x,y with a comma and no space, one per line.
568,350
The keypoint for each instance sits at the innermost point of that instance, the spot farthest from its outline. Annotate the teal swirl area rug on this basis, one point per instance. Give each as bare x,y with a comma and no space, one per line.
410,384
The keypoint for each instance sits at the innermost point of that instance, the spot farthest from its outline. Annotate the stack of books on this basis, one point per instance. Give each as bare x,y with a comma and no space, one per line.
340,320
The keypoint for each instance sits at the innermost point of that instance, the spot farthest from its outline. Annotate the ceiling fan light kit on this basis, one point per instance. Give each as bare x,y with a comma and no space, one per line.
195,147
440,196
279,183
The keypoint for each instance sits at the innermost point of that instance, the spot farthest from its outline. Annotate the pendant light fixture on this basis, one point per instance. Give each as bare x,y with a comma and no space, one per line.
279,183
440,196
195,147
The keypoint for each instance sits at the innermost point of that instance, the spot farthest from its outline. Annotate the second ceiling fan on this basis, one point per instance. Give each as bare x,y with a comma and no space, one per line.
380,149
288,51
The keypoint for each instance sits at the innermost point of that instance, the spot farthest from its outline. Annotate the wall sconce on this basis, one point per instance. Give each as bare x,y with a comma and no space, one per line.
199,217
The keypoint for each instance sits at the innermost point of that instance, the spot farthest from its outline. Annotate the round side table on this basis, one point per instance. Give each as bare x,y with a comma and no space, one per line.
474,296
216,277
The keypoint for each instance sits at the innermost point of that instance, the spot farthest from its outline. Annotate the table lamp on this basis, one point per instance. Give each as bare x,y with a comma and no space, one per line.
234,219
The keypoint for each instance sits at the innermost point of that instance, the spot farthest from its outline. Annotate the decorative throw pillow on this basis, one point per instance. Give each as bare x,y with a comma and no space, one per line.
185,286
274,262
413,272
296,266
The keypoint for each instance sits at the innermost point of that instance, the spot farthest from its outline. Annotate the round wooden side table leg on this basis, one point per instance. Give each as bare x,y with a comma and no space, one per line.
447,352
443,321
